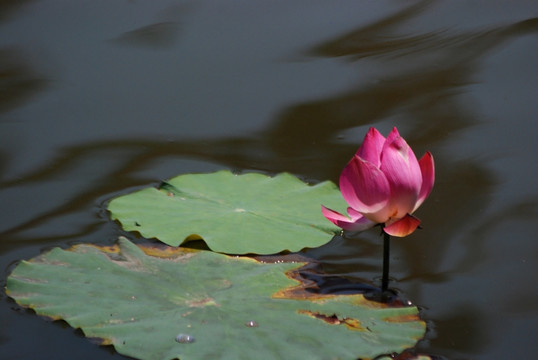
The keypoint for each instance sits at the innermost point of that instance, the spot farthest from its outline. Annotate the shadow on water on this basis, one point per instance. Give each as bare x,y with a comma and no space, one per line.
309,139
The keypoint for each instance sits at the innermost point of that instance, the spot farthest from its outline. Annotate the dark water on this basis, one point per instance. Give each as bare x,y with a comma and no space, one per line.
100,96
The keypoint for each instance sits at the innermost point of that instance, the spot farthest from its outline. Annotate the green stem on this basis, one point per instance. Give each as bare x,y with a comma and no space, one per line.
386,262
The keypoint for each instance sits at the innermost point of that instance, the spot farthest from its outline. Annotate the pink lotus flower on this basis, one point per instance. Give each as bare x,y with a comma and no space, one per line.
384,184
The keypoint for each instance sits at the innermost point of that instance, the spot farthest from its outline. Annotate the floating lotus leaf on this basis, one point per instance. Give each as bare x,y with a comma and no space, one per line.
234,214
177,303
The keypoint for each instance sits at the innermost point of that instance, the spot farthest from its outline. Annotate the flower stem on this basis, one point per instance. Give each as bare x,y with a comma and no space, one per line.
386,262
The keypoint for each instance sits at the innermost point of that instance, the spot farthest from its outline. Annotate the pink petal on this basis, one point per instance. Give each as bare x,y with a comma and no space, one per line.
427,169
402,170
393,135
356,224
353,214
333,216
371,147
403,227
364,187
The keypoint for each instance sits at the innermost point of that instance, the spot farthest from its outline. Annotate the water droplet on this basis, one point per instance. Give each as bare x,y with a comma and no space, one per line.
184,338
251,323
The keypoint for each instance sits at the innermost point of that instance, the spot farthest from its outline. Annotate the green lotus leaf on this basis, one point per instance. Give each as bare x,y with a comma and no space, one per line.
234,214
177,303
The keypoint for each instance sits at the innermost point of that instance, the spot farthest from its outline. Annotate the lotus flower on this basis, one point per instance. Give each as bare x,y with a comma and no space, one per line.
384,183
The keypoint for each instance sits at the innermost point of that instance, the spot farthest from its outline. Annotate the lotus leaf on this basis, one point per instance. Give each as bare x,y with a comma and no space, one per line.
234,214
176,303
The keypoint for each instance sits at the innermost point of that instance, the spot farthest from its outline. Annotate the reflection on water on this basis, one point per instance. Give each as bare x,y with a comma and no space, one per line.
9,6
159,35
380,37
18,82
420,86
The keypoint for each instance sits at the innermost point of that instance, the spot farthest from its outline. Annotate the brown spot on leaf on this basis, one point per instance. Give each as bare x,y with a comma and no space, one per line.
155,250
168,252
402,318
101,341
351,324
208,301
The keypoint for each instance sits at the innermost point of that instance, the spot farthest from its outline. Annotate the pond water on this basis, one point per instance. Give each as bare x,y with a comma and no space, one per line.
99,97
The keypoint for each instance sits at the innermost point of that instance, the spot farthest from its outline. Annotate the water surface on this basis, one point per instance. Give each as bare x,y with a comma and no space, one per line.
100,97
